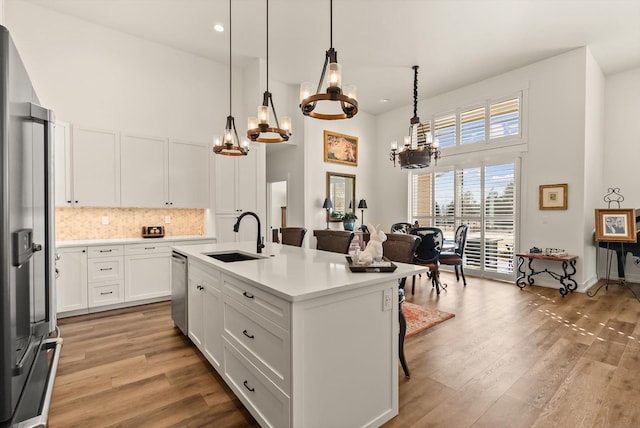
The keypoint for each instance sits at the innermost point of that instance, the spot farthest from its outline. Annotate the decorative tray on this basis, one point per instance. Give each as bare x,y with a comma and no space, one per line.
385,265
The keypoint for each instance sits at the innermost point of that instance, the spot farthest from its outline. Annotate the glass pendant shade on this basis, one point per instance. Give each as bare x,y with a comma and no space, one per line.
335,75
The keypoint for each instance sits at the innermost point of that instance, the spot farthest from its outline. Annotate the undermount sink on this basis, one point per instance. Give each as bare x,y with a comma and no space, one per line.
234,257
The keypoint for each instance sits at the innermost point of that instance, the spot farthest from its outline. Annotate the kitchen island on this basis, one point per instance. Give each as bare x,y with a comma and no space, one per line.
300,339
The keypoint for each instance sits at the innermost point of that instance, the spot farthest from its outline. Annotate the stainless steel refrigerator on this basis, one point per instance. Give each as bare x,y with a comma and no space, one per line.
29,345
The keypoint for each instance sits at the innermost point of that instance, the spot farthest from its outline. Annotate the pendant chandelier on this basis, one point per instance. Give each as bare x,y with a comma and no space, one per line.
418,154
229,145
346,97
259,129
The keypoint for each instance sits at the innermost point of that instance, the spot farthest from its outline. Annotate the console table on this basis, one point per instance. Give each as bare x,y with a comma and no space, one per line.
566,282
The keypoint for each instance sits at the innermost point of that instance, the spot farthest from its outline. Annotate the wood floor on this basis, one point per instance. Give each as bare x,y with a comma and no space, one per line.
509,358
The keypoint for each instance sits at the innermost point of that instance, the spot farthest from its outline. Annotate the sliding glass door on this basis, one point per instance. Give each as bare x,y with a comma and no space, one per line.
482,196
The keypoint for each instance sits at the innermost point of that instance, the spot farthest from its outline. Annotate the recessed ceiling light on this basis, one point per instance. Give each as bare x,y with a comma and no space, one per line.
219,28
384,100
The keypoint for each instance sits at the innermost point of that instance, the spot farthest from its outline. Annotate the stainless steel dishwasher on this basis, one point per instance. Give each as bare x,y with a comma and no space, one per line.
179,298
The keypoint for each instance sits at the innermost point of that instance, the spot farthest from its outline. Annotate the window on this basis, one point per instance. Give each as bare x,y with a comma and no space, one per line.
489,122
482,196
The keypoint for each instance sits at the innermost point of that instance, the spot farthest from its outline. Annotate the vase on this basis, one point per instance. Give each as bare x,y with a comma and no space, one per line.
348,224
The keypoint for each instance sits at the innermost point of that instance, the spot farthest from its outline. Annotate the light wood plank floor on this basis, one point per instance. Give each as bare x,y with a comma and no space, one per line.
509,358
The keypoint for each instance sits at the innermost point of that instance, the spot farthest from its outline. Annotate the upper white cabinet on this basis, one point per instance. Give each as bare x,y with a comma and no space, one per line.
188,174
237,182
62,156
102,168
144,170
96,167
158,173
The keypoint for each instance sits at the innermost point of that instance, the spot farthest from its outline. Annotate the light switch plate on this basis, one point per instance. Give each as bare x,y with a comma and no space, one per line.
105,219
167,219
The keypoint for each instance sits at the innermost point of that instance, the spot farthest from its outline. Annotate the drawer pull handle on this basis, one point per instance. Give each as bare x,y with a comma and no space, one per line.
110,292
106,251
149,248
247,295
250,336
246,385
103,269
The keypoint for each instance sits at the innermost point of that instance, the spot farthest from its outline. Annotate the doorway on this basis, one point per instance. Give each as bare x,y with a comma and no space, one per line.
276,207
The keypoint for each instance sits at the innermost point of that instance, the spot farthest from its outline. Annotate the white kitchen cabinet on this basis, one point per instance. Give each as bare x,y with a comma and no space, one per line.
188,174
96,167
240,187
62,158
71,282
105,275
147,271
158,173
206,312
144,171
237,182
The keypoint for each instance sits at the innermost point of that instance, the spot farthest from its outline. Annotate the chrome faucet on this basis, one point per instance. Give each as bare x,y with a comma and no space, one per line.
236,227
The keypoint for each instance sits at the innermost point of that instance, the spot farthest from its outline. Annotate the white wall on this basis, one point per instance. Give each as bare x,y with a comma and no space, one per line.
622,150
554,122
362,126
94,76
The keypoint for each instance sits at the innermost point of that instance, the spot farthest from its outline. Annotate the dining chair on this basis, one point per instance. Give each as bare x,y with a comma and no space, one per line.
293,235
400,247
337,241
401,227
428,254
454,258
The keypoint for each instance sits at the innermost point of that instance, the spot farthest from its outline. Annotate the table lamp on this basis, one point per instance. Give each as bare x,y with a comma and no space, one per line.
327,205
363,206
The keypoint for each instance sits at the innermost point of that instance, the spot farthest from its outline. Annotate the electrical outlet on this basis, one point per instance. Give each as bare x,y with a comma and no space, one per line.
167,219
387,300
105,219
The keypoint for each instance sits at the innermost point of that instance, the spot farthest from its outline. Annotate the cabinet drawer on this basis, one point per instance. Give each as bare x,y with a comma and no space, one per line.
265,344
265,401
106,293
106,269
265,304
149,248
106,251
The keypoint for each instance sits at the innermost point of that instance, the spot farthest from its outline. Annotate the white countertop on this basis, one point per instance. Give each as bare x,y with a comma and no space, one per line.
118,241
294,273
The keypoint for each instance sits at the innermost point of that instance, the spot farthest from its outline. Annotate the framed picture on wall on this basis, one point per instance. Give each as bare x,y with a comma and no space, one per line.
340,148
616,225
553,197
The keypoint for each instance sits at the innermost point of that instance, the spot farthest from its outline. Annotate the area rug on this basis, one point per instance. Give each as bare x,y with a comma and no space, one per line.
420,318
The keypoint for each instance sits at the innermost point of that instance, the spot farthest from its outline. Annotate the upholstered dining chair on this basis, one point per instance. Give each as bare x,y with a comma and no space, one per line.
454,258
400,247
293,235
337,241
428,254
401,227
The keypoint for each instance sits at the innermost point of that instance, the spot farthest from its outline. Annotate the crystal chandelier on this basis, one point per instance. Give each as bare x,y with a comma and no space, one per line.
418,154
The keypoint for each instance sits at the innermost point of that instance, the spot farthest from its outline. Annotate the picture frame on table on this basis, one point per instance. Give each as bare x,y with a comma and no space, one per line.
553,196
340,148
616,225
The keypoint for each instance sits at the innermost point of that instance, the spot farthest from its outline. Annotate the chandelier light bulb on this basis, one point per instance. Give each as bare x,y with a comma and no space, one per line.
252,122
306,89
217,140
350,91
286,123
335,75
407,140
263,114
394,145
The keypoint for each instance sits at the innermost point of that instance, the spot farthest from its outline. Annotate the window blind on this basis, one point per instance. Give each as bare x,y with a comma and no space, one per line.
504,118
445,130
472,127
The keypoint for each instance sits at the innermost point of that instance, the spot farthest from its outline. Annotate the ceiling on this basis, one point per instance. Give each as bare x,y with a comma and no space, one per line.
455,42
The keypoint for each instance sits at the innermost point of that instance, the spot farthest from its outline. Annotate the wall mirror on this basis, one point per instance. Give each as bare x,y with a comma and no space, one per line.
341,189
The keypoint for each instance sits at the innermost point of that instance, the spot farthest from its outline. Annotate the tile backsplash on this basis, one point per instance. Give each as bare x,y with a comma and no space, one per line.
87,223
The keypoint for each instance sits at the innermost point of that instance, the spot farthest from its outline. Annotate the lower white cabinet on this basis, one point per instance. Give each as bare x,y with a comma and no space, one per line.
206,307
103,277
148,271
71,281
